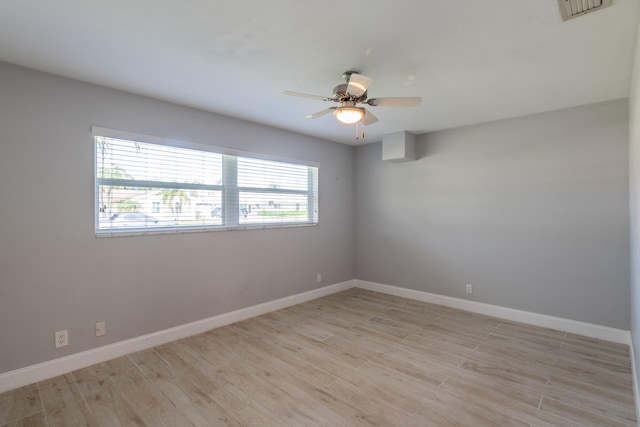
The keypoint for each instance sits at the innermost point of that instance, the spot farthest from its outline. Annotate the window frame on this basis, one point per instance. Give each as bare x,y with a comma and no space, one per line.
230,191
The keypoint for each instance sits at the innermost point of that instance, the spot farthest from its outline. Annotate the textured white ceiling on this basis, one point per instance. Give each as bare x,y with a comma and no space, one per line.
471,61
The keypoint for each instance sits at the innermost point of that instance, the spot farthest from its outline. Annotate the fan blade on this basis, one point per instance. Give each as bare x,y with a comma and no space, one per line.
306,95
320,113
415,101
358,84
368,118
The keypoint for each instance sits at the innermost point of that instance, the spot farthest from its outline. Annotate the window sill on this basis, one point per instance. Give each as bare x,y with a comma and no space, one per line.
141,232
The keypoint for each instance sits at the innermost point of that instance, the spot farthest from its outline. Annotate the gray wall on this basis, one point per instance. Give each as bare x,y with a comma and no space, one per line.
532,211
54,274
634,196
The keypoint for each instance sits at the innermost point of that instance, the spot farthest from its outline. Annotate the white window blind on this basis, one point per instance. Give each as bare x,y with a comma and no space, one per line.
275,191
145,187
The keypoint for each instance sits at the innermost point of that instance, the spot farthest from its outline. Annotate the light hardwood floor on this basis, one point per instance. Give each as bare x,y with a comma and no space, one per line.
350,359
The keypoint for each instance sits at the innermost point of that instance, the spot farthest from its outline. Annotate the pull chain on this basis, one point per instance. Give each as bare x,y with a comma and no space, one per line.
358,125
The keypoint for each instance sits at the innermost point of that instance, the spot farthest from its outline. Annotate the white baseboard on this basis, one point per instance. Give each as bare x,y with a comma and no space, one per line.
31,374
636,386
52,368
567,325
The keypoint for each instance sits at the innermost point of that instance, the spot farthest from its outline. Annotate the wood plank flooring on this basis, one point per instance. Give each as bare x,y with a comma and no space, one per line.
356,358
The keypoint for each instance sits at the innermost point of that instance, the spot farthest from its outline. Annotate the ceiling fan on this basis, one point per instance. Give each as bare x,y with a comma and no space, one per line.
351,95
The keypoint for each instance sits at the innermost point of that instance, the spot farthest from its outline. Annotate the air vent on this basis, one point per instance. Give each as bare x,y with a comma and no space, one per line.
573,8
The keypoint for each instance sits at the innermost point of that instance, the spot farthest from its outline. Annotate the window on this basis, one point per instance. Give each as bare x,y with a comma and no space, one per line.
144,187
273,192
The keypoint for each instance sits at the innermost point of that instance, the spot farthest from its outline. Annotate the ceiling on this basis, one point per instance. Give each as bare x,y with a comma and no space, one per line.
471,61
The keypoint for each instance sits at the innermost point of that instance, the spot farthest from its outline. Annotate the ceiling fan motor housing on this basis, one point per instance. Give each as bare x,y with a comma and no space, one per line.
340,94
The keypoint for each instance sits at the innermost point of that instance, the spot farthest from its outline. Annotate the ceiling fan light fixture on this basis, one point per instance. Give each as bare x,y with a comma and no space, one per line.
349,115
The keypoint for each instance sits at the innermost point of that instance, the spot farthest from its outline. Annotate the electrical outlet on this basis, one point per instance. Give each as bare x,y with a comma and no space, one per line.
319,277
469,289
62,338
101,328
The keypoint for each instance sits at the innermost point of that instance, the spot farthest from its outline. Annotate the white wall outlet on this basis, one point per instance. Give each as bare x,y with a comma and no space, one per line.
469,289
62,338
101,328
319,277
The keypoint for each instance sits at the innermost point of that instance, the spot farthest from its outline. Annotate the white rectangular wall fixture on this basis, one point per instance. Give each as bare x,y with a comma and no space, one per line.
399,147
